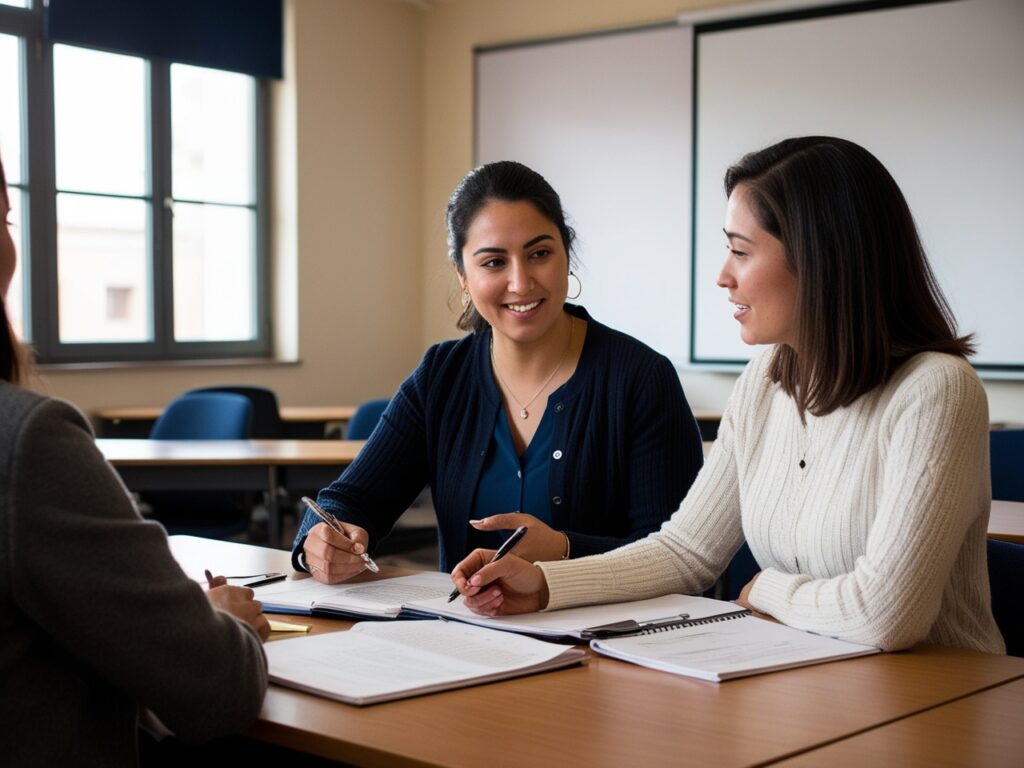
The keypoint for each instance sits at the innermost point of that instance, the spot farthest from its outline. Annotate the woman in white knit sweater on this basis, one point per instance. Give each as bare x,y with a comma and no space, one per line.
853,454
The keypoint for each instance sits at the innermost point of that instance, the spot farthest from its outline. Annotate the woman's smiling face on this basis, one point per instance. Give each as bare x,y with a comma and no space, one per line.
516,269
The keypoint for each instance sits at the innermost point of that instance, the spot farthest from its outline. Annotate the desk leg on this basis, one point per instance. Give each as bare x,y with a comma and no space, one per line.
273,510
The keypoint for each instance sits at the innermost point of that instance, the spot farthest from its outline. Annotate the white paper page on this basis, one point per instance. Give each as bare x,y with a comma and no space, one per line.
730,648
383,597
373,660
572,621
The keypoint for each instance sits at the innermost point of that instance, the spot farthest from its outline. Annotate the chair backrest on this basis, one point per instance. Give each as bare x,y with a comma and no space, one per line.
266,415
204,416
1006,580
1006,447
363,421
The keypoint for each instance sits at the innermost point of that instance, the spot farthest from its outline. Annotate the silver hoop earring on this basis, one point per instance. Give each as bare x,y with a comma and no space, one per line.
579,283
465,299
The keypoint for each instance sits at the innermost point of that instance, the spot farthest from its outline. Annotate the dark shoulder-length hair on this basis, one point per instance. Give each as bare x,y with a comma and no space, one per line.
10,354
510,182
867,298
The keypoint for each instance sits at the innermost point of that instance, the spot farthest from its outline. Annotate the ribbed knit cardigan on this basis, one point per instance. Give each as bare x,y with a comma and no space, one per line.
625,449
869,523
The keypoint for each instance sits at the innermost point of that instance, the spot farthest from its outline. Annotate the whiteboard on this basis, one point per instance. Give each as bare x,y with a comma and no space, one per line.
935,91
607,121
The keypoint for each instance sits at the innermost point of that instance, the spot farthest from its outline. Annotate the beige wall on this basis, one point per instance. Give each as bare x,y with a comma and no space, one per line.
373,127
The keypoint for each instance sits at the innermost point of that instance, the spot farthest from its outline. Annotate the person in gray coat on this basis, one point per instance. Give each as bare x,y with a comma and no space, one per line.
100,629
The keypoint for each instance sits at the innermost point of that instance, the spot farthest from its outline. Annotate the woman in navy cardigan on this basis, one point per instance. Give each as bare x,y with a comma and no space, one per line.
541,416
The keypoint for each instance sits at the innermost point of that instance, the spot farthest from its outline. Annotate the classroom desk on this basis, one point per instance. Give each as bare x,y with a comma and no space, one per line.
230,465
1006,521
609,713
300,421
707,422
983,729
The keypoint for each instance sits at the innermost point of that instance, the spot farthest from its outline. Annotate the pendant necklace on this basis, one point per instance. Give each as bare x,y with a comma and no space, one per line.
523,412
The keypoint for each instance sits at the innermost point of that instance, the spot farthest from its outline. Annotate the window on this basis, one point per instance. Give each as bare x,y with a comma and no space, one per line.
136,195
10,145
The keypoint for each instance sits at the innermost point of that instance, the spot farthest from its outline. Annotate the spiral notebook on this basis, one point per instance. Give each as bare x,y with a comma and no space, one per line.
729,645
585,622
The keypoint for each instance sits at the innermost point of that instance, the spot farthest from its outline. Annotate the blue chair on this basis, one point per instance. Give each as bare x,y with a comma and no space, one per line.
365,419
1006,447
266,415
1006,580
203,416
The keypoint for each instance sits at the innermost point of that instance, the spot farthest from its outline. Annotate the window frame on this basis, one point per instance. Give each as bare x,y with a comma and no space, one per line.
39,259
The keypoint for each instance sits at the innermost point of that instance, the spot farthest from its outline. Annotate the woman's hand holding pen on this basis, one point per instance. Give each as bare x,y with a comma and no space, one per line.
238,602
334,557
542,543
506,586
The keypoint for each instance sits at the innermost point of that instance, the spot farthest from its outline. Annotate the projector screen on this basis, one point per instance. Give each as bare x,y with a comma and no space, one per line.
935,91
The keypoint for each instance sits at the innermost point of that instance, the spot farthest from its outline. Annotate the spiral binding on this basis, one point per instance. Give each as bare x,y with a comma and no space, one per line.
695,622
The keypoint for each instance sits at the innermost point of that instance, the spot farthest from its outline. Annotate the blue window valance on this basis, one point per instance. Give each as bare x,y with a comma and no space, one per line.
237,35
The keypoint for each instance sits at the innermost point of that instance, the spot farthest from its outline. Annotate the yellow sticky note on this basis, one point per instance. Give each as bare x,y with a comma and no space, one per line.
284,626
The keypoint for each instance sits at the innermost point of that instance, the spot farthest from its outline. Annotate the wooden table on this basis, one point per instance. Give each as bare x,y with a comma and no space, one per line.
230,465
1006,522
707,422
300,421
983,729
609,713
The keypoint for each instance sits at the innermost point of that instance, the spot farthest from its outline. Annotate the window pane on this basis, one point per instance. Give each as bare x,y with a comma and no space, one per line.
214,273
212,135
16,3
102,248
100,121
16,293
10,107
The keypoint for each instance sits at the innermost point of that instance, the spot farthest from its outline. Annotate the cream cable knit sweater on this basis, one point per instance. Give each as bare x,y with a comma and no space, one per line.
880,538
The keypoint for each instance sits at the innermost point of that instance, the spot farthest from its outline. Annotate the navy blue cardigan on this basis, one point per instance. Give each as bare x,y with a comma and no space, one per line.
629,446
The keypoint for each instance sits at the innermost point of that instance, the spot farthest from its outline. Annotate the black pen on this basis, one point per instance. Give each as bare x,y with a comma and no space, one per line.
503,550
269,580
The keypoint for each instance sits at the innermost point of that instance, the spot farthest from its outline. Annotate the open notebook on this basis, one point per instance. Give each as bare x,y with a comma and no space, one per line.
375,662
378,599
727,646
425,595
587,622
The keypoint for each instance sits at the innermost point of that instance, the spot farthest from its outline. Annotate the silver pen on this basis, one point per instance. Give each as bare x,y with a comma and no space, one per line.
334,525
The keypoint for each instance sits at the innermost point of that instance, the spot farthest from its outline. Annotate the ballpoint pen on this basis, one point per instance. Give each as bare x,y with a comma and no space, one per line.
503,550
271,579
334,525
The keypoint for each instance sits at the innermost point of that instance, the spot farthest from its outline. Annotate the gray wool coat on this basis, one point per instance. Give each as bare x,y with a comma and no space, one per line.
97,620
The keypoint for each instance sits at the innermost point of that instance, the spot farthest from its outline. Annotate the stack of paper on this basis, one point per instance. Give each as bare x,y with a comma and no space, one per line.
375,662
